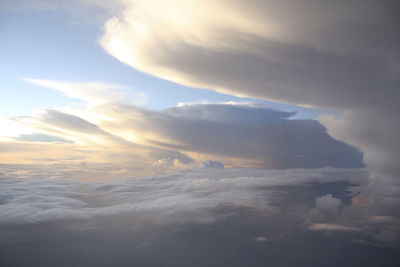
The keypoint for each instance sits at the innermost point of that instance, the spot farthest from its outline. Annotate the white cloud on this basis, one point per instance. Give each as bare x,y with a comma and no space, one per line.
328,203
268,49
94,93
171,163
261,239
194,196
326,209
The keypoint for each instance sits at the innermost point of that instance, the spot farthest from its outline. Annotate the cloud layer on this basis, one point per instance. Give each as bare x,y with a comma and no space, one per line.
301,199
191,194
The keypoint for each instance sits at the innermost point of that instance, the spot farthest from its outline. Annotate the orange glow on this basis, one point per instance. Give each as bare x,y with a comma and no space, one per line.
361,200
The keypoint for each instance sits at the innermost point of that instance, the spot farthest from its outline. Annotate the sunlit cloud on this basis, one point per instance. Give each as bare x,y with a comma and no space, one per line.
11,129
229,182
84,11
238,134
344,56
94,93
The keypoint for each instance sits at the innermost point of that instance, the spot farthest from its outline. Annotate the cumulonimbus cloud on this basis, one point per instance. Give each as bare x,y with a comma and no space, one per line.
343,55
268,49
242,134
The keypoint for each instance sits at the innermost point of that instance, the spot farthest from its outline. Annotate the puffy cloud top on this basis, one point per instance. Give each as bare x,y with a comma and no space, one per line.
211,164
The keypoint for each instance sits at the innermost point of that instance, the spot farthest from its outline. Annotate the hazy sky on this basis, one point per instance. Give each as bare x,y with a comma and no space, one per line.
94,93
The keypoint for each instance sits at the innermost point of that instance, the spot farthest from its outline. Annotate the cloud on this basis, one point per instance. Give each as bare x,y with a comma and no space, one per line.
260,134
343,56
261,239
19,152
87,11
362,223
328,203
172,163
64,124
94,93
331,227
88,143
340,55
239,134
231,112
266,49
281,53
326,208
189,196
38,137
211,164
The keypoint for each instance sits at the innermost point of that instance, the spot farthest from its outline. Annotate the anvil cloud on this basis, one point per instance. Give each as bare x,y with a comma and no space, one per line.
339,54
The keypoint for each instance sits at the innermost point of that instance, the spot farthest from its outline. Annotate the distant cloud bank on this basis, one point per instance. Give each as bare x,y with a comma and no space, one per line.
200,196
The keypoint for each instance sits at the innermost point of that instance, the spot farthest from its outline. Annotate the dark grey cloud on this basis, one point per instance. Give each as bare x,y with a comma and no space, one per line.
263,135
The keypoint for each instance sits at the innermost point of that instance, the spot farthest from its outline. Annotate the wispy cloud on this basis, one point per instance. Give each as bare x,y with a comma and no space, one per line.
94,93
83,11
331,227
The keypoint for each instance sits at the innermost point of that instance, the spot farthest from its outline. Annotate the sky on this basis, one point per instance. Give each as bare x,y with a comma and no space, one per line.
191,116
